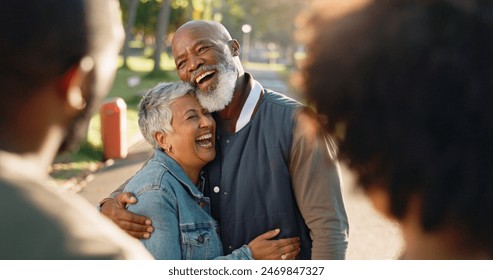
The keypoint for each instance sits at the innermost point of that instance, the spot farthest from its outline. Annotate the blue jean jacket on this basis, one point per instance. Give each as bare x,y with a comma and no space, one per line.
180,214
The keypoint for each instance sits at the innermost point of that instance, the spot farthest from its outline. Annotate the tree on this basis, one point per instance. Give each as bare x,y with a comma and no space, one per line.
272,21
131,14
151,20
161,32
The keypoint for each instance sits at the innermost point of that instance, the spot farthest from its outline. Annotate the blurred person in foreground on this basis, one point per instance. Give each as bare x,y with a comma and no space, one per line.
407,86
274,166
57,61
170,187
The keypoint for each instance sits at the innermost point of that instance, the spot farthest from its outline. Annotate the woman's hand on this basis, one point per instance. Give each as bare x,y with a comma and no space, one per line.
282,249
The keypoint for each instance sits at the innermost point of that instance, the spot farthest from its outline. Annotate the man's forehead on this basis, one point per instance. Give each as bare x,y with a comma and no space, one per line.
202,29
189,39
194,33
201,26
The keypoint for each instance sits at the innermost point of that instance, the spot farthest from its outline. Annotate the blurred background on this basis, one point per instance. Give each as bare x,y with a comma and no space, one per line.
265,29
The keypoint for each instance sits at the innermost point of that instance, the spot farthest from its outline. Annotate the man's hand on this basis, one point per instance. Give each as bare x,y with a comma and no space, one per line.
137,226
263,248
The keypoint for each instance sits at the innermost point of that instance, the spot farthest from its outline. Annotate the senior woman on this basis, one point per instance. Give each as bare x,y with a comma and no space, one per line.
169,188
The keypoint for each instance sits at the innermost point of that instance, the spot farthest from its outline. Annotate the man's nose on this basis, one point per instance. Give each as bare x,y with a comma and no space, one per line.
194,63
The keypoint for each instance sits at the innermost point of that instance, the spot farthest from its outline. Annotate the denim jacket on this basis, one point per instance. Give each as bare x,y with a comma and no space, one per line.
180,214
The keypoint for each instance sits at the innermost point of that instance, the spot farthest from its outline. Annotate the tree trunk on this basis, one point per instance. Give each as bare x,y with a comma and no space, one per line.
189,14
132,12
161,31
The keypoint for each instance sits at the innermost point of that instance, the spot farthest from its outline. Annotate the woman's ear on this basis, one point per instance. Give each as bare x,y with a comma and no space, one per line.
162,140
70,85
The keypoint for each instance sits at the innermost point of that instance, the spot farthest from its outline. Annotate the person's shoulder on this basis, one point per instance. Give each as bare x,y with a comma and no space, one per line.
307,115
308,122
147,178
110,238
93,228
281,99
45,223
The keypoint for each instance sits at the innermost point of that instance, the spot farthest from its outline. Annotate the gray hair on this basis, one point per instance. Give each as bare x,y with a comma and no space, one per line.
155,112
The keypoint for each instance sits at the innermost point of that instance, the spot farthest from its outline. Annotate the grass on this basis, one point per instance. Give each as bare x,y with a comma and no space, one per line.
129,84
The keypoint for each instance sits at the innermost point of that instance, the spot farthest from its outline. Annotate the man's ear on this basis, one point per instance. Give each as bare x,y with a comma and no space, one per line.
234,46
70,84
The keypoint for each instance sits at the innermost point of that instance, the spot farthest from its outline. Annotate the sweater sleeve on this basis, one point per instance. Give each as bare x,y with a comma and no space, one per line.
317,187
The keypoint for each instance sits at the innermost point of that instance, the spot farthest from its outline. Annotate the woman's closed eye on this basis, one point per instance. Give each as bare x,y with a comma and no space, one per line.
192,116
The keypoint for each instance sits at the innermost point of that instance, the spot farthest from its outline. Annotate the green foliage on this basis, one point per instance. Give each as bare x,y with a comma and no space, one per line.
272,21
147,11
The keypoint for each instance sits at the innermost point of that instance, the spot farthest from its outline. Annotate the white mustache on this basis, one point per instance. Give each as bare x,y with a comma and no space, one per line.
200,70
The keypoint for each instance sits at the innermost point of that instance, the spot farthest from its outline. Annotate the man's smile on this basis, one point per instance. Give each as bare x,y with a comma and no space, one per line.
205,76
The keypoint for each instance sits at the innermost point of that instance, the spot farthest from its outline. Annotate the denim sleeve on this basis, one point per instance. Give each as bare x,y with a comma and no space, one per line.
160,207
242,253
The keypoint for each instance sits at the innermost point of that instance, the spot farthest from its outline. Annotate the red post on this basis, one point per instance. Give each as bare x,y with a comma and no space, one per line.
113,114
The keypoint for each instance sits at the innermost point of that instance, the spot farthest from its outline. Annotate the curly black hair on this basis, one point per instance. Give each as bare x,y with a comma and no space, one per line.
410,85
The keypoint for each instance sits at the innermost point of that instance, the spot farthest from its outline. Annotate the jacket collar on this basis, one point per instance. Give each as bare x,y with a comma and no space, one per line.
177,172
250,104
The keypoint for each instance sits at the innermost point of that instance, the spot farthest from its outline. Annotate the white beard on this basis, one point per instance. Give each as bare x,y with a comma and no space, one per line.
218,96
